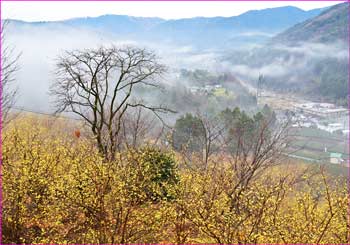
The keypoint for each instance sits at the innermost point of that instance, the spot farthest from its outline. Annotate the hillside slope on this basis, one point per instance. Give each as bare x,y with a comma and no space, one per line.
310,58
330,25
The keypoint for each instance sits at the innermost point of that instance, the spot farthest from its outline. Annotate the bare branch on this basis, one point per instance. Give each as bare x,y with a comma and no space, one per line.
98,85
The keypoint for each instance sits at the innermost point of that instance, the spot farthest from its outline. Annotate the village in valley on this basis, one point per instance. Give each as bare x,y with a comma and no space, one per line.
321,129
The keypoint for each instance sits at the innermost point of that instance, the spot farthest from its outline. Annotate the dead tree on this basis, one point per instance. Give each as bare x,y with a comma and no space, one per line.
9,67
98,85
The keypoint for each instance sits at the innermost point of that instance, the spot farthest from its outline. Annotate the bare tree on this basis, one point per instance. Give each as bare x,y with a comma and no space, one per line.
9,67
98,85
212,138
230,201
137,127
254,153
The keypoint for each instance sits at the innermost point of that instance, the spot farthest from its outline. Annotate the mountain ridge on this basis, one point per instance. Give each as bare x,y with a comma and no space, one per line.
313,11
203,32
328,26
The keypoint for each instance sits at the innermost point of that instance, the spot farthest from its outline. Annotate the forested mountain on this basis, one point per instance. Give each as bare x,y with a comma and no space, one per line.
331,25
310,58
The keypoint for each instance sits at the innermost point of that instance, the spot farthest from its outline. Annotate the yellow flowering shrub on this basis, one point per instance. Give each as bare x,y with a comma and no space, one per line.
58,189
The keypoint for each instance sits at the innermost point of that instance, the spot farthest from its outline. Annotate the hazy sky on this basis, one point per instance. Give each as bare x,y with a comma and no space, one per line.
40,11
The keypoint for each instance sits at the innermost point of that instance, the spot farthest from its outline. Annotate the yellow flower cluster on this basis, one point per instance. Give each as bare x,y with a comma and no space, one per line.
58,189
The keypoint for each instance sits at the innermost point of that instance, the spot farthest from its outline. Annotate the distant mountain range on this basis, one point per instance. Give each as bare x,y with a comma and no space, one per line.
252,27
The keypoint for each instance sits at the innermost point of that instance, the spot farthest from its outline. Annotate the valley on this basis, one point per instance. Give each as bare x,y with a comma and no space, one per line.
129,127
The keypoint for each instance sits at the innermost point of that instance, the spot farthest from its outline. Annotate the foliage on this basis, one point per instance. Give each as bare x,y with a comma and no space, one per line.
57,188
333,76
182,97
156,168
188,133
239,125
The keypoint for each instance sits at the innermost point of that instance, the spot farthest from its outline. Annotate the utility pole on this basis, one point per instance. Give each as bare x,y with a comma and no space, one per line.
259,87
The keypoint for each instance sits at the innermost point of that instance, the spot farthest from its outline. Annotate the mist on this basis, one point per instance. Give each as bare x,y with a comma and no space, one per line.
242,54
40,46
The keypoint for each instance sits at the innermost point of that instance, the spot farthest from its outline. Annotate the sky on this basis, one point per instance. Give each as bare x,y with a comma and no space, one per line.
50,11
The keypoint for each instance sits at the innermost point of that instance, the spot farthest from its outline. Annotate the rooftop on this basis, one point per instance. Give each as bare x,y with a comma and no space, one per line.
335,155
